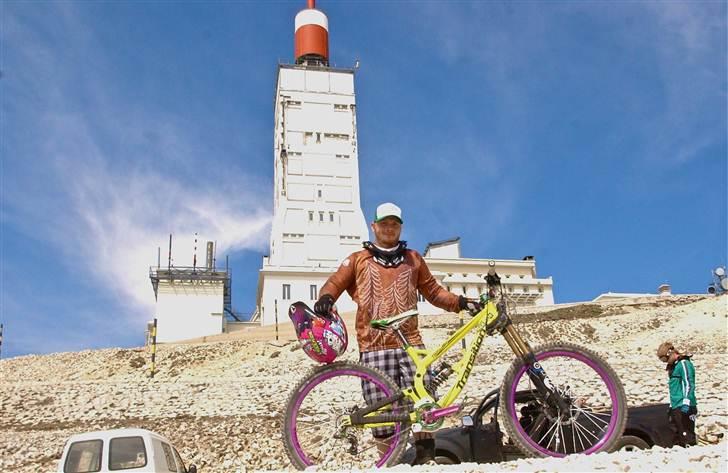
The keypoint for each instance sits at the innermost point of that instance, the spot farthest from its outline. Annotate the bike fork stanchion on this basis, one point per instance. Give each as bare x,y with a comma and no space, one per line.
514,340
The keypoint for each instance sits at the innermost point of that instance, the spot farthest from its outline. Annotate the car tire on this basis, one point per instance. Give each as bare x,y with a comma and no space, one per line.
442,459
629,443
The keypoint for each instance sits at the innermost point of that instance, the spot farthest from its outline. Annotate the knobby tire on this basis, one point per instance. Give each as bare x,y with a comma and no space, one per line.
589,361
316,377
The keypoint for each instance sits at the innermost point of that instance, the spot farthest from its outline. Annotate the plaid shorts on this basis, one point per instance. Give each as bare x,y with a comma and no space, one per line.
399,367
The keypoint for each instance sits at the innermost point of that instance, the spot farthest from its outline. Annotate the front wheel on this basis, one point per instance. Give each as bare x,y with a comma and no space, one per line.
315,430
597,405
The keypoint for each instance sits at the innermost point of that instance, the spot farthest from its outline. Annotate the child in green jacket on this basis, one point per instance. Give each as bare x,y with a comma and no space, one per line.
681,382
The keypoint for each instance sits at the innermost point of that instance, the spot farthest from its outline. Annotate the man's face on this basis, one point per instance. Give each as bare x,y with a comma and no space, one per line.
386,232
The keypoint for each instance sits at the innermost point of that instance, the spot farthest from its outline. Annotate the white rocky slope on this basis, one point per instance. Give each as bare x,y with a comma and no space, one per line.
221,403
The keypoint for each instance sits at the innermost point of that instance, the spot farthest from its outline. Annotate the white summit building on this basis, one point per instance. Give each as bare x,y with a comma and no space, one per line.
317,219
466,276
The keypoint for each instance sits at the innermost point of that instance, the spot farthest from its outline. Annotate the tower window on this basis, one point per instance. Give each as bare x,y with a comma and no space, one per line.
314,292
331,216
310,216
321,216
319,193
286,292
336,136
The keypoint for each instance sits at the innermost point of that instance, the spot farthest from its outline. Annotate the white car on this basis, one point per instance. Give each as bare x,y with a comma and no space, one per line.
134,450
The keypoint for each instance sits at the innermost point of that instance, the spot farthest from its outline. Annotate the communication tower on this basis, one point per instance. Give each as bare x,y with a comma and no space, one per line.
317,219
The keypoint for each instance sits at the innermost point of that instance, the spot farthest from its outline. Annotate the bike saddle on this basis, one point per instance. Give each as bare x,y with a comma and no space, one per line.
393,322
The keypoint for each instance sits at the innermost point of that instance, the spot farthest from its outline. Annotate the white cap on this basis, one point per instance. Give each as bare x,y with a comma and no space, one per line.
388,209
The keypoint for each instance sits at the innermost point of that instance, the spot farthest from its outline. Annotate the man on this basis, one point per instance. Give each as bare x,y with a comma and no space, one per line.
383,280
681,382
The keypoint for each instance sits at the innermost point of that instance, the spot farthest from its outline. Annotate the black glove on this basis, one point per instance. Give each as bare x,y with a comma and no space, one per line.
471,305
324,305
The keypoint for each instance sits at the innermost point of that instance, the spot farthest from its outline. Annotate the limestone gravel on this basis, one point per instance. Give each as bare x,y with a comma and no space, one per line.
221,403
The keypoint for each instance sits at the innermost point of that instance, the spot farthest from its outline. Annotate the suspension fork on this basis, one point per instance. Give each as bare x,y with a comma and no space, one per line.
536,373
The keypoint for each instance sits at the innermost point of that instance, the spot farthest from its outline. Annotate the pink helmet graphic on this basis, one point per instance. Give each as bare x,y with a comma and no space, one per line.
322,338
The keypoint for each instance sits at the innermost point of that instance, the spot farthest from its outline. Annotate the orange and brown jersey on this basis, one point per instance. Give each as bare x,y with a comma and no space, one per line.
381,292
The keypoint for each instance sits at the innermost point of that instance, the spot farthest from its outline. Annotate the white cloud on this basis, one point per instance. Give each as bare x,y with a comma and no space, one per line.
105,179
111,220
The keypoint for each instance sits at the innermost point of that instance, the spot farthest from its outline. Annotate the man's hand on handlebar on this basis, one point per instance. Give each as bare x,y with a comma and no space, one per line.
324,305
473,306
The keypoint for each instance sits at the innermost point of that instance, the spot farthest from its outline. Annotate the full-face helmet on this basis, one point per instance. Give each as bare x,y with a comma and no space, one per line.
322,338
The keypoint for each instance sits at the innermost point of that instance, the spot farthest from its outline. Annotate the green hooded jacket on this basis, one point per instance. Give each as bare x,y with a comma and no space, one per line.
682,384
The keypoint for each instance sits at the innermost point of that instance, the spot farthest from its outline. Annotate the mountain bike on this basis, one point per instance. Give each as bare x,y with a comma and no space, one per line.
573,403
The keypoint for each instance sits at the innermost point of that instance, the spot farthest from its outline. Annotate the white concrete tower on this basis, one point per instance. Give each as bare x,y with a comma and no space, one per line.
317,217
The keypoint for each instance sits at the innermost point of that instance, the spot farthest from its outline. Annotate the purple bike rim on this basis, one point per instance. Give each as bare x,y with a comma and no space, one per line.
318,380
607,381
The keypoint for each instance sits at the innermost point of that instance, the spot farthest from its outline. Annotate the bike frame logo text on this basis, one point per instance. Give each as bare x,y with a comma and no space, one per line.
471,360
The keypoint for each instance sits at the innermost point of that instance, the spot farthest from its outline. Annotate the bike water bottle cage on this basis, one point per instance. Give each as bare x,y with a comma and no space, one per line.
388,258
393,322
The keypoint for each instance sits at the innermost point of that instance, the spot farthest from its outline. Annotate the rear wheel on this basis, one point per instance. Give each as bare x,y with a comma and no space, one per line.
597,404
313,431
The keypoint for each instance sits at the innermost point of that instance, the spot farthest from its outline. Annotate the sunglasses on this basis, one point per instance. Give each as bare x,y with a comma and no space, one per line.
666,356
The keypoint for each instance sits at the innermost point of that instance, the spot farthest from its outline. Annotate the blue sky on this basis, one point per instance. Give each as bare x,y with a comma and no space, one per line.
591,135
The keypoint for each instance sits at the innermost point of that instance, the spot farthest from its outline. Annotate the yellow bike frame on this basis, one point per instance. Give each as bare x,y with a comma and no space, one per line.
423,359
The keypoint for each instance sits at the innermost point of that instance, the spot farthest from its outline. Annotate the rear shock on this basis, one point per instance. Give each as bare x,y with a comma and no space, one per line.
443,372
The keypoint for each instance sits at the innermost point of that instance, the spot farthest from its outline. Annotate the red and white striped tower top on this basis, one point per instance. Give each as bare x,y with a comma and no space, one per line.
311,44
